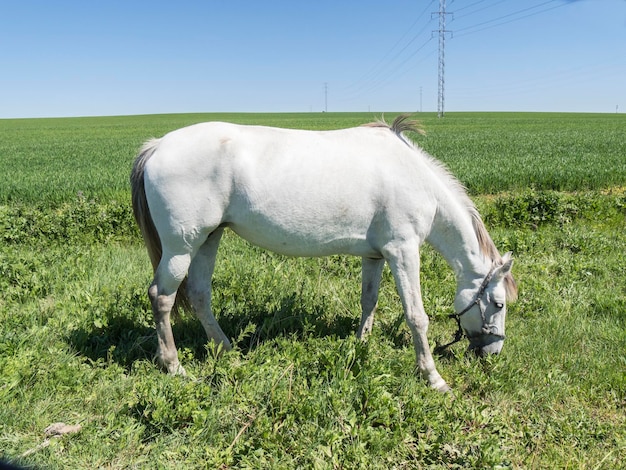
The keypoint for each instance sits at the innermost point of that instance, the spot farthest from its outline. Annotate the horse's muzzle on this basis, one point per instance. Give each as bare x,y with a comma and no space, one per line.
485,345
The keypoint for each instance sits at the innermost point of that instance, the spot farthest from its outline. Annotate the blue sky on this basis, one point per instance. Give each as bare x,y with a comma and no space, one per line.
89,58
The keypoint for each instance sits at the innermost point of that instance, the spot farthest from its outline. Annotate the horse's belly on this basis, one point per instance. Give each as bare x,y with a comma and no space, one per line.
305,243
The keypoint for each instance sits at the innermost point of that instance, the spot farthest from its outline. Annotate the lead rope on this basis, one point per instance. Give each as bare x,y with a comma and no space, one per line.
458,336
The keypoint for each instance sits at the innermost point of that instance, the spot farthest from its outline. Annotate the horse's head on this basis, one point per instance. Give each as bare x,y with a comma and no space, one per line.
482,309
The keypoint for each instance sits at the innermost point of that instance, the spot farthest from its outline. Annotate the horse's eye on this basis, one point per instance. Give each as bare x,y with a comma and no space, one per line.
499,305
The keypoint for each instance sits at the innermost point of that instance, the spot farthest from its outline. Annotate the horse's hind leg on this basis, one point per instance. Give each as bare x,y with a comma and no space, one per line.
371,271
199,288
170,273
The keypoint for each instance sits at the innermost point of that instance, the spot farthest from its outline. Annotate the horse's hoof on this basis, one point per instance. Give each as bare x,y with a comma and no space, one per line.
180,370
176,369
442,387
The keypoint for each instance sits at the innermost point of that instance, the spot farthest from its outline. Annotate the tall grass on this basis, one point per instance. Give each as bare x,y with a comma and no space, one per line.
299,391
501,152
52,161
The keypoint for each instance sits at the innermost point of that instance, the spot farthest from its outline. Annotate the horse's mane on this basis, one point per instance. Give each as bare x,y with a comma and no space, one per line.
402,124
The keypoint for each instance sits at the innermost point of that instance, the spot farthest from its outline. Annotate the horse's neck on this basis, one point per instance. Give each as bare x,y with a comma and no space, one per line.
453,235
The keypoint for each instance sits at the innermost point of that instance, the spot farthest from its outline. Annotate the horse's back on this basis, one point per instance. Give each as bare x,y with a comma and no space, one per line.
285,160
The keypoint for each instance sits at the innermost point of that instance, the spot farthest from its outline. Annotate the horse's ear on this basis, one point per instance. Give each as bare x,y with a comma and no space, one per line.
507,264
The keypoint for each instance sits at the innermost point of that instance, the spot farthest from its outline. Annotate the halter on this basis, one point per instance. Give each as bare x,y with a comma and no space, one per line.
486,329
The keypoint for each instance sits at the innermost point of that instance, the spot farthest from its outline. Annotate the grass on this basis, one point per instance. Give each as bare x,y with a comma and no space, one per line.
53,160
499,152
299,391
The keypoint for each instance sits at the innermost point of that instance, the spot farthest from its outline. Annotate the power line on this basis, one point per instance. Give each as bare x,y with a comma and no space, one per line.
383,65
477,10
412,40
581,74
470,5
396,74
471,29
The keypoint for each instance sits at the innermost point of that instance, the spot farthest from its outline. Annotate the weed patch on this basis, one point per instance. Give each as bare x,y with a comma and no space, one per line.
531,208
81,221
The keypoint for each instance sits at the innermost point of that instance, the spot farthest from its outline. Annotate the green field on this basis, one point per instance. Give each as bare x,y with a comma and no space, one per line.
299,391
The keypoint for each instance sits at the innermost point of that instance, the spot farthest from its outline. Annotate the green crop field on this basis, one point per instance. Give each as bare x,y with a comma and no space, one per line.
299,391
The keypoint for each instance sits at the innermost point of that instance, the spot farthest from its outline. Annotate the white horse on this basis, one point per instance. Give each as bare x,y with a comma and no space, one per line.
365,191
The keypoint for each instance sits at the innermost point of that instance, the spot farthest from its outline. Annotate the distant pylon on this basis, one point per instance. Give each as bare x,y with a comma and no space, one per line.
442,54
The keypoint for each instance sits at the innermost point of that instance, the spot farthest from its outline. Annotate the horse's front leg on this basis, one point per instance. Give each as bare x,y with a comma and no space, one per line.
405,266
371,271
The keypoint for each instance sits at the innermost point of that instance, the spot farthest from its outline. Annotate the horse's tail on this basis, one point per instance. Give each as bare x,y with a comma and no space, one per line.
142,214
140,203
